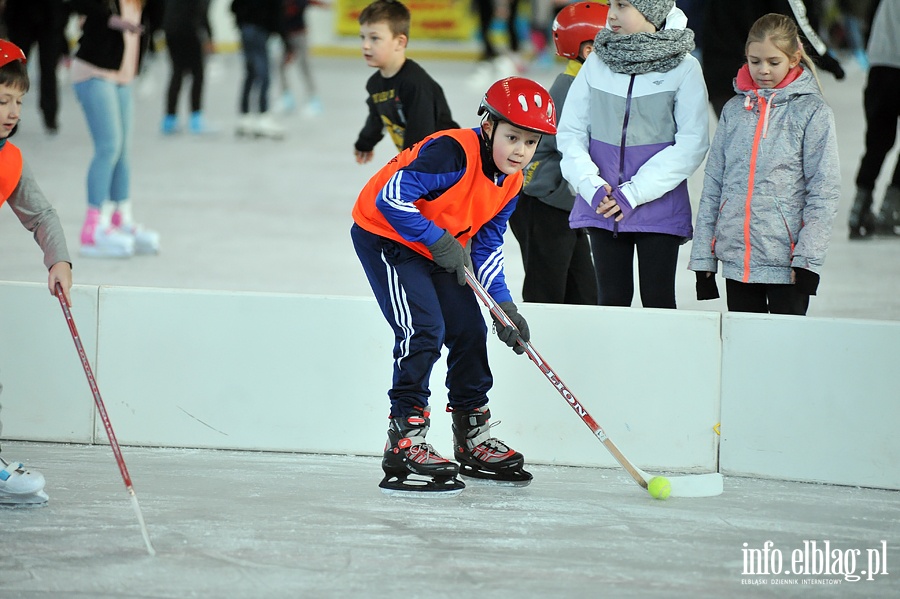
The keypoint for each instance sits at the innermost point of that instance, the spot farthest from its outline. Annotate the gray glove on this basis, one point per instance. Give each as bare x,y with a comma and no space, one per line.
449,254
508,335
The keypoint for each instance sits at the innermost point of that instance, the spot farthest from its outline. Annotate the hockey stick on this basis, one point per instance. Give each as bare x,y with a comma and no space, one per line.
693,485
103,415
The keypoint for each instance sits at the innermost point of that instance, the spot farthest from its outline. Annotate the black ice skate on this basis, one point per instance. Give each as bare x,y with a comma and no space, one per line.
412,466
482,456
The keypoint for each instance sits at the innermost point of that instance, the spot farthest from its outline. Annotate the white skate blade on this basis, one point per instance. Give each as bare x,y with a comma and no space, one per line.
491,482
514,478
421,494
30,500
414,485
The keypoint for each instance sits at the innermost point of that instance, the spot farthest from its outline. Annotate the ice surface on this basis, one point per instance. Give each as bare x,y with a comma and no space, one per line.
244,524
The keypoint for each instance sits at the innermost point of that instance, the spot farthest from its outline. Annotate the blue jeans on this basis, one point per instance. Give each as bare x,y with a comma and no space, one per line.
254,40
109,110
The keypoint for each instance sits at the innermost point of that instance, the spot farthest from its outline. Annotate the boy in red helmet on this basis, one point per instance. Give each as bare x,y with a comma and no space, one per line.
557,259
434,210
18,188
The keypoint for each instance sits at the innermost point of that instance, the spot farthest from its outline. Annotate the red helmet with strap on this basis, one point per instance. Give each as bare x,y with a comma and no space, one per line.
522,103
10,52
577,23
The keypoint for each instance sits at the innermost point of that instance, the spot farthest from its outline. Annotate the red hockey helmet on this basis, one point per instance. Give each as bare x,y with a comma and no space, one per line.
577,23
10,52
522,103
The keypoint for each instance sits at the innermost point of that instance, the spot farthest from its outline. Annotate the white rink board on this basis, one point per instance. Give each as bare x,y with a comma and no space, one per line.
811,399
648,377
243,370
46,396
808,399
310,373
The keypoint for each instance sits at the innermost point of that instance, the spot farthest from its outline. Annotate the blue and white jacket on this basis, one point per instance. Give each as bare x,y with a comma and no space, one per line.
643,134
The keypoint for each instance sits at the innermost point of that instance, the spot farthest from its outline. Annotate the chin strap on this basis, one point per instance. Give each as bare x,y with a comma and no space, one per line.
487,153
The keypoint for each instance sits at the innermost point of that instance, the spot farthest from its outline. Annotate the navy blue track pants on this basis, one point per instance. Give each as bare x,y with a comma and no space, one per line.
427,309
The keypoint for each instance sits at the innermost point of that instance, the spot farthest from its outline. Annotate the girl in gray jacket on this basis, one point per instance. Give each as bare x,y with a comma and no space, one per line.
772,181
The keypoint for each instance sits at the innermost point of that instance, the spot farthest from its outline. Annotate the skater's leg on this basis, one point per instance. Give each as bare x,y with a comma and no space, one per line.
468,381
468,374
657,264
746,297
614,263
401,281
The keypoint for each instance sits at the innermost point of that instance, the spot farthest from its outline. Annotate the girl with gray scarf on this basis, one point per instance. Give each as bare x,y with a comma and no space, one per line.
636,126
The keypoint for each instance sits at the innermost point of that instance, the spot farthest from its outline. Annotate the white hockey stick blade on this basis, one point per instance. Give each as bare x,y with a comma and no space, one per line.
693,485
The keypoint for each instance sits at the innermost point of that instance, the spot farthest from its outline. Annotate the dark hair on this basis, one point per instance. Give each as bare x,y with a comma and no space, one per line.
15,74
394,13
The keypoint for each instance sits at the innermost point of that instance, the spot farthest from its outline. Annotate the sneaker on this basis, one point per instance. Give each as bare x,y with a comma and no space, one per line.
246,125
105,241
169,125
199,126
146,241
313,107
287,104
267,126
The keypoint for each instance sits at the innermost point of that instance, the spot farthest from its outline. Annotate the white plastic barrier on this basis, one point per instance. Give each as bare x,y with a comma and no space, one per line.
811,399
310,373
800,398
45,393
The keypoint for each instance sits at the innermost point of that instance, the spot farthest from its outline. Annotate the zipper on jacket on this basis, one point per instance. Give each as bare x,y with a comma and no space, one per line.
622,146
760,125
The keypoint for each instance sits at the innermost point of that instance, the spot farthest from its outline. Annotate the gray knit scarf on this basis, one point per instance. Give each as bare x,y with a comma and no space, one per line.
639,53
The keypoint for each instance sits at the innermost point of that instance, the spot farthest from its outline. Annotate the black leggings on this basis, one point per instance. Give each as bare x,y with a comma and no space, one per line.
764,298
614,261
186,54
485,18
882,113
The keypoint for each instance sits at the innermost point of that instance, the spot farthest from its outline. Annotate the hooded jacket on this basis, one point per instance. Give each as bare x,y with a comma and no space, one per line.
772,184
645,134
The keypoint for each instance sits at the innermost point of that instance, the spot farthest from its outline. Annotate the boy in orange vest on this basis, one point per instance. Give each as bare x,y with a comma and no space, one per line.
18,486
434,210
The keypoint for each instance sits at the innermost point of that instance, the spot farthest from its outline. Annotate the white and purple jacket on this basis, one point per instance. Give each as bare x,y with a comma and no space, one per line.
644,135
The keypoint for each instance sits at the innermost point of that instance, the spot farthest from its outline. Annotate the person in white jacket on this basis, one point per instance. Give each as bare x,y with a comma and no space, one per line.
636,126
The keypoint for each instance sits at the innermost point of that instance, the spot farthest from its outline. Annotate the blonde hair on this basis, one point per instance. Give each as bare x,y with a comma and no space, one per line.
785,36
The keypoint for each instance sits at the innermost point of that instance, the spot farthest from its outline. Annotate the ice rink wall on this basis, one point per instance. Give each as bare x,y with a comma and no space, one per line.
806,399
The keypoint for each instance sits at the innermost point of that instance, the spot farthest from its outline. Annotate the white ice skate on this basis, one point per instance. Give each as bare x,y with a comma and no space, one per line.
146,241
267,126
20,487
246,125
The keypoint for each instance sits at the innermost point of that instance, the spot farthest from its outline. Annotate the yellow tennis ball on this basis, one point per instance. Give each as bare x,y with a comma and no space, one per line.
659,487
